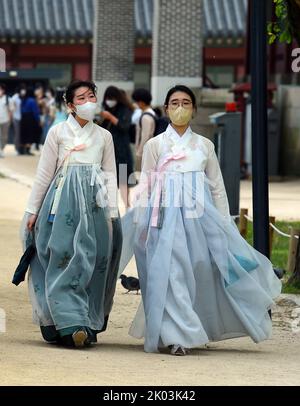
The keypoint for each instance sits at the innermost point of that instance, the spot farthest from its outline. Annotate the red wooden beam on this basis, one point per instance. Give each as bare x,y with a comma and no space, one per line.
55,51
143,55
224,56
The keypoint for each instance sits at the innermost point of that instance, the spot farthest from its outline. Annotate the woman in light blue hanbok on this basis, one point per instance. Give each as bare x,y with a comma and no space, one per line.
200,280
73,212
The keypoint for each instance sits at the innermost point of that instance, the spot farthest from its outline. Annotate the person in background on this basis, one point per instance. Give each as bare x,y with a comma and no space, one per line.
117,119
5,117
49,112
41,102
30,126
60,110
145,127
15,103
137,112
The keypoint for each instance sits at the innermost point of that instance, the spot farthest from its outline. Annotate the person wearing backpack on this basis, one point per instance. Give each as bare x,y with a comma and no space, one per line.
162,121
145,128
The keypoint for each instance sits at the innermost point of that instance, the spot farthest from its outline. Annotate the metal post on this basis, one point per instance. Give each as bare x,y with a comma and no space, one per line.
259,126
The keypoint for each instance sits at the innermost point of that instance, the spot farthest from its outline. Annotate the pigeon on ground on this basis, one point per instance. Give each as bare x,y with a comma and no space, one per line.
279,272
130,283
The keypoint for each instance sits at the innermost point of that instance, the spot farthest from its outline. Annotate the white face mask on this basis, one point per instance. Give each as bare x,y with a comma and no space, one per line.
86,111
111,103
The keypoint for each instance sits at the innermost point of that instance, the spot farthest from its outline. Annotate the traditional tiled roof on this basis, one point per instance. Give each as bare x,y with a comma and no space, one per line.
225,21
72,21
46,20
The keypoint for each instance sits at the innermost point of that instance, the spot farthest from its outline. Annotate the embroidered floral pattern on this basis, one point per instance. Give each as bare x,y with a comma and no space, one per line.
64,261
36,288
69,219
193,146
75,281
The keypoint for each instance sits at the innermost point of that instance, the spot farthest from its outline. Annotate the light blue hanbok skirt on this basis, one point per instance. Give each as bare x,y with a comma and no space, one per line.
73,276
200,280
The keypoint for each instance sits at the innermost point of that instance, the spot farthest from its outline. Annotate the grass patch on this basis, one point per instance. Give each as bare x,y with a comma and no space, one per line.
280,251
2,176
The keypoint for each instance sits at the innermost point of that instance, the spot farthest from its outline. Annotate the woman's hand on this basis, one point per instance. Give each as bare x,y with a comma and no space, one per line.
108,116
31,221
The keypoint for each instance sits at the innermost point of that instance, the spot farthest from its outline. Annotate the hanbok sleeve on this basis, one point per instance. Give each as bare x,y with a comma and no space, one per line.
149,163
150,156
216,183
45,172
109,167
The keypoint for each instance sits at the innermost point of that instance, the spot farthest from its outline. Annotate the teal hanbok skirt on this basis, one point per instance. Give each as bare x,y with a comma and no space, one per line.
73,277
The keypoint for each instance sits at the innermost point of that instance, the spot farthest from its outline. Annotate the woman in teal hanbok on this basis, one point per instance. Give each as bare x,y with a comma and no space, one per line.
73,213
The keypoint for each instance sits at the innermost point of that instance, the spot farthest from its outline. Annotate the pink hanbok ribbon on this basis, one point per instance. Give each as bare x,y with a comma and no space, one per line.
158,177
79,147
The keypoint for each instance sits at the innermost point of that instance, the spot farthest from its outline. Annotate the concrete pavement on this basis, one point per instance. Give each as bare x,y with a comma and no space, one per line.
118,359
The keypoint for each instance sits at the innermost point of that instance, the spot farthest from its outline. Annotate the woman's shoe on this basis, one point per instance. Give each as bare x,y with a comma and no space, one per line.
21,150
50,334
28,152
80,338
178,350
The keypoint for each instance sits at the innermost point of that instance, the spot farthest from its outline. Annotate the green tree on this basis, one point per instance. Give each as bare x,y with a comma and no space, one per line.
287,23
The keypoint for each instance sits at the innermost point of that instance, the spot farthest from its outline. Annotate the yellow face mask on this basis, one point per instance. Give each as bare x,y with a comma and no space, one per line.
180,116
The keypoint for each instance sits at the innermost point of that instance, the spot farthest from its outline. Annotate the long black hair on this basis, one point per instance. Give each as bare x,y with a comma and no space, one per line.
113,92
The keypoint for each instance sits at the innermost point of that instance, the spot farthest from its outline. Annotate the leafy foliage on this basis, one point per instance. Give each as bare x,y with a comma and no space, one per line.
280,29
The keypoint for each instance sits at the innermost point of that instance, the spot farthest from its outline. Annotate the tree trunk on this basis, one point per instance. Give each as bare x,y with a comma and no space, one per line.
295,278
